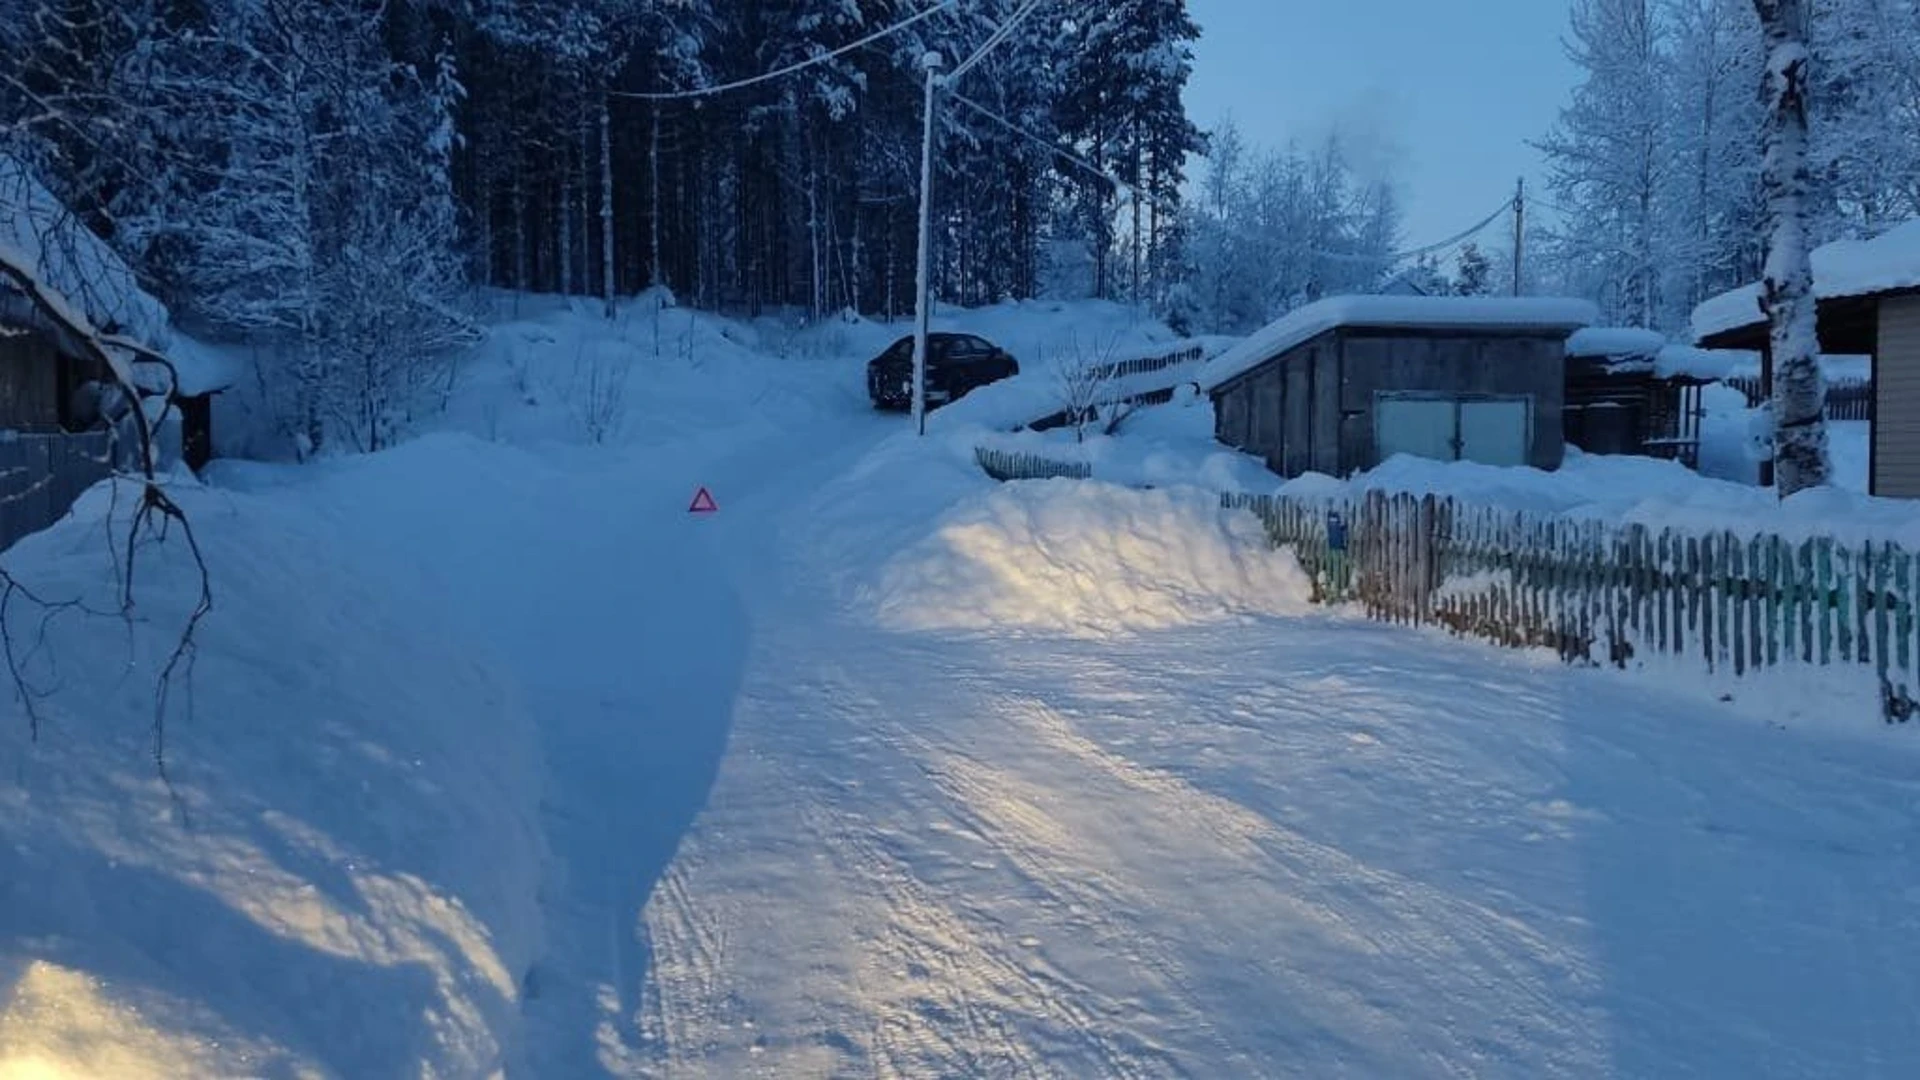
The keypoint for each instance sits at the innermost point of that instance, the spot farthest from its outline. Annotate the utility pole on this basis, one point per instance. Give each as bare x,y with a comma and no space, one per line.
933,62
923,310
1519,230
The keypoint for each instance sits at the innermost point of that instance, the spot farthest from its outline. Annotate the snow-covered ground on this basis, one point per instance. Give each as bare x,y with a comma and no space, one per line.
499,761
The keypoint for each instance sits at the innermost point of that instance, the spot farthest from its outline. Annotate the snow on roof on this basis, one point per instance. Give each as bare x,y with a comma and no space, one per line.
1711,365
1843,268
1413,312
1615,342
202,368
40,234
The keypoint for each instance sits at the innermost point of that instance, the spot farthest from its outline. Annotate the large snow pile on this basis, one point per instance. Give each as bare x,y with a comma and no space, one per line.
341,878
1087,559
37,232
1840,269
1305,323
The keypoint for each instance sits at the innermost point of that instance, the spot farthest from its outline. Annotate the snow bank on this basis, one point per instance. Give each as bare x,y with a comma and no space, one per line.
341,879
1317,318
1087,559
1841,268
1647,491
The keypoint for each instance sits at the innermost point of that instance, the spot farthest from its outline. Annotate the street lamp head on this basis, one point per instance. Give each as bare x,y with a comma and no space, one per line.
932,61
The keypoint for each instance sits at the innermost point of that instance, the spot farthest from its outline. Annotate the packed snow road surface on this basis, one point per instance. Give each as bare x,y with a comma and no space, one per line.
1257,846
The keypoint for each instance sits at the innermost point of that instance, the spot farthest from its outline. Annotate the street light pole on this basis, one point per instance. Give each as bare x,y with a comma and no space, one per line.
923,311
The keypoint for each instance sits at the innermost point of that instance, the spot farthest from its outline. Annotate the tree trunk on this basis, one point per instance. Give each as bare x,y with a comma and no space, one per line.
1799,394
606,206
566,223
654,275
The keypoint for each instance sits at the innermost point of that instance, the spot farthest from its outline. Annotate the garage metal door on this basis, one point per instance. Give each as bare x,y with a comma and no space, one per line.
1489,431
1424,427
1496,432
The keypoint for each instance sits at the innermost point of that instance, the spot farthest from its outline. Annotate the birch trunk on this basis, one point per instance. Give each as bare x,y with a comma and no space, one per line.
1799,393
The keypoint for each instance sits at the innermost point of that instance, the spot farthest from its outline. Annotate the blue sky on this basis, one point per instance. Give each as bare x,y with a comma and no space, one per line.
1450,92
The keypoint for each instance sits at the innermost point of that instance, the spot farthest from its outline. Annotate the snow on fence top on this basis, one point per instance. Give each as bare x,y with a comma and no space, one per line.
1413,312
49,242
1843,268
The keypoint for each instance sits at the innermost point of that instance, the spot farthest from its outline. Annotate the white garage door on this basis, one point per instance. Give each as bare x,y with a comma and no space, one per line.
1495,432
1448,429
1424,427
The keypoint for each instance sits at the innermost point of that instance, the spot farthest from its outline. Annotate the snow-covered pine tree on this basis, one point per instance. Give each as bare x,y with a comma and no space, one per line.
1799,396
1714,124
1125,67
1473,271
1607,163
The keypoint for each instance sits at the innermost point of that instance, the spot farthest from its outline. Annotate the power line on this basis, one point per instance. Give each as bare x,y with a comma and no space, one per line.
1004,32
815,61
1452,240
1055,148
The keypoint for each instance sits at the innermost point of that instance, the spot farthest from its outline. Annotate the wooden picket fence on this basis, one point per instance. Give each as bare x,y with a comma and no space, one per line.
42,474
1191,354
1847,399
1596,591
1006,465
1605,593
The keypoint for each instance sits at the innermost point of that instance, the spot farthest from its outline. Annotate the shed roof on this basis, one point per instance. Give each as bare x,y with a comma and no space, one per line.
1504,313
1615,343
66,258
1887,263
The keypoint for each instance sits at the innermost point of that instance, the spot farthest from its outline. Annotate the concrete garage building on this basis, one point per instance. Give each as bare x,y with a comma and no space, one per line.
1868,295
1340,385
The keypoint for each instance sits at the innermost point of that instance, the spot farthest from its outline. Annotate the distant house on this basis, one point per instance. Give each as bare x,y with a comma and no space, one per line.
51,380
76,332
1342,384
1630,391
1868,298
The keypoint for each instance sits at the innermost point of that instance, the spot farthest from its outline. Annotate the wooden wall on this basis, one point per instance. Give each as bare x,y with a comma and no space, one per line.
1312,409
29,382
1453,363
1896,385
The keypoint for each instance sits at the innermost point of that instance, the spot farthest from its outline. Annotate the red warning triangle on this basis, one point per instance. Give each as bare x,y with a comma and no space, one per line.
703,503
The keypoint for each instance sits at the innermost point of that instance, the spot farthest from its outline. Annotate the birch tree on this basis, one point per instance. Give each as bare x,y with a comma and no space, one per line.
1799,395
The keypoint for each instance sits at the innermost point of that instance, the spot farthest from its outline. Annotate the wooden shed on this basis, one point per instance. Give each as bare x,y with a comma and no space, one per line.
1868,298
1342,384
1630,391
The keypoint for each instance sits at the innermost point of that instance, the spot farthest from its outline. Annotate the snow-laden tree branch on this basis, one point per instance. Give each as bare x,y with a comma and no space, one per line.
155,513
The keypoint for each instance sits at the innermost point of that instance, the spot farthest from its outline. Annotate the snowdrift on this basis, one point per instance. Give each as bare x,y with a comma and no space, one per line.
341,878
1087,559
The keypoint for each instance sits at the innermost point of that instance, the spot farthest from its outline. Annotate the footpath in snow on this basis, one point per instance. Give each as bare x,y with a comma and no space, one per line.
502,763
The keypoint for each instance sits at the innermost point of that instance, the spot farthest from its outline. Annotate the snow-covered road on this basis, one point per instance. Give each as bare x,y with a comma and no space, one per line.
1307,847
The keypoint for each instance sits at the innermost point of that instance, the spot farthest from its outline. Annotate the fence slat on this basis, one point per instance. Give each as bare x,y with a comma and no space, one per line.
1882,570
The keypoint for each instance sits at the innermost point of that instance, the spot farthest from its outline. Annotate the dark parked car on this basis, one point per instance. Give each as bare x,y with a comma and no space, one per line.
956,363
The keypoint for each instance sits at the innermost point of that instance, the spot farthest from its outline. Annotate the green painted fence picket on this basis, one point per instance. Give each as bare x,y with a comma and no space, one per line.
1594,591
1600,592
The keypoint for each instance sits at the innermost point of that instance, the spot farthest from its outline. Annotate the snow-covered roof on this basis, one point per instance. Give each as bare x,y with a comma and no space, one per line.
1412,312
1843,268
1710,365
66,258
1615,342
202,368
